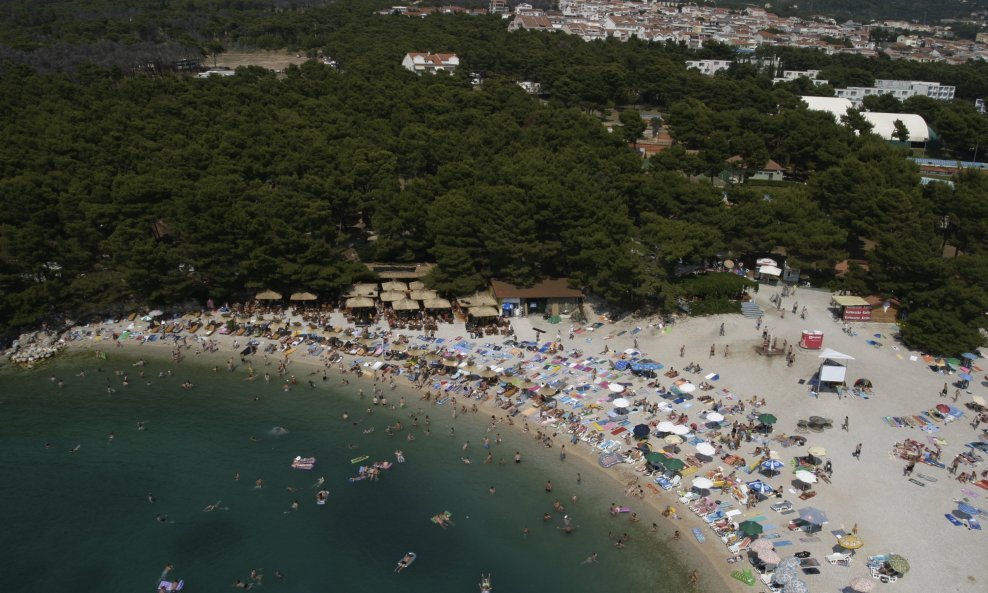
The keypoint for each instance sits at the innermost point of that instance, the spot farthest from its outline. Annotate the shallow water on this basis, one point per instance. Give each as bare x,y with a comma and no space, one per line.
83,519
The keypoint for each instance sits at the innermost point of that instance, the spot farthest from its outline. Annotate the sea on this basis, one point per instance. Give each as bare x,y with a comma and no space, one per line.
82,511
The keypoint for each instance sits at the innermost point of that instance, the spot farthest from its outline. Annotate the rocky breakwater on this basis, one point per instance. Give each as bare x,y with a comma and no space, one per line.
35,347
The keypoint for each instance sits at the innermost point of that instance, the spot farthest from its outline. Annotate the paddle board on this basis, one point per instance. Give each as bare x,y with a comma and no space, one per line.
359,459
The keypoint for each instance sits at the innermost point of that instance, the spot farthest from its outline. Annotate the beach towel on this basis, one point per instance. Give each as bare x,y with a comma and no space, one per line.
953,520
783,543
808,540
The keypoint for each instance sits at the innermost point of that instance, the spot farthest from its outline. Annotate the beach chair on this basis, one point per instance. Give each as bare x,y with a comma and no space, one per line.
838,559
779,507
741,546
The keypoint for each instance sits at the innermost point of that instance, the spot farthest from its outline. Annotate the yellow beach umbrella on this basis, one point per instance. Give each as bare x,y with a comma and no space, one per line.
850,542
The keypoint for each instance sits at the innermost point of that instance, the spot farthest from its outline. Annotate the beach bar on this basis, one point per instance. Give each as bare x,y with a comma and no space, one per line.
552,296
852,308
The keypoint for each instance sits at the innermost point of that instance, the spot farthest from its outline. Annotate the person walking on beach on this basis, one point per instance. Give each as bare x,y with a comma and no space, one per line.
857,452
694,577
908,470
713,350
845,425
682,351
722,329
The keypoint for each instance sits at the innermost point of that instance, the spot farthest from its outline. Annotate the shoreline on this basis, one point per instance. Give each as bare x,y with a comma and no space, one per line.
689,553
862,486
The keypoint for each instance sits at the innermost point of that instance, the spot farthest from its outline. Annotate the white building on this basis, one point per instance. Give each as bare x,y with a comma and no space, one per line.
883,124
432,63
709,67
791,75
835,106
900,89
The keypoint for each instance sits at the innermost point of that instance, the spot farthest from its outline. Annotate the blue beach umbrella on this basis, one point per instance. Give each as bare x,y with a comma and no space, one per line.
759,487
772,465
965,376
970,356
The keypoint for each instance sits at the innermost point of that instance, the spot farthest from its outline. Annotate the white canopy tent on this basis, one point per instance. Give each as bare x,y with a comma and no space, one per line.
831,371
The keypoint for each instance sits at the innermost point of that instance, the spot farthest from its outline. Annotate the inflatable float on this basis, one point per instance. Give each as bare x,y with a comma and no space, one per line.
405,561
443,518
304,462
170,586
359,459
321,497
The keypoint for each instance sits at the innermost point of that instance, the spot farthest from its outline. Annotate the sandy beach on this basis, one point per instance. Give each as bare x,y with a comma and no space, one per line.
891,513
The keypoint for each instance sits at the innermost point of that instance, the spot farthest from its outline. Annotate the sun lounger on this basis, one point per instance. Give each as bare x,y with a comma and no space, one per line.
839,559
778,507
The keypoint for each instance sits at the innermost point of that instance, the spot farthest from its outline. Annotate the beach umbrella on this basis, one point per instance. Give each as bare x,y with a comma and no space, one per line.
813,515
302,296
702,482
772,465
769,556
665,426
862,585
767,419
686,388
979,400
715,417
850,542
783,577
656,458
616,388
817,451
962,515
398,347
750,528
898,564
391,296
673,439
268,295
546,391
759,487
970,356
673,464
156,313
805,476
795,586
641,431
953,363
966,377
680,429
706,449
621,403
487,373
789,564
762,545
963,506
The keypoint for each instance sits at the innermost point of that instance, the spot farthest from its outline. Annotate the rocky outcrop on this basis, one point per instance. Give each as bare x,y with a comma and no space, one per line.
35,347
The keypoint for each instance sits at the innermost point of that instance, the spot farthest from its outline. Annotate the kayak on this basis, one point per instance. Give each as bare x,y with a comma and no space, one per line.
359,459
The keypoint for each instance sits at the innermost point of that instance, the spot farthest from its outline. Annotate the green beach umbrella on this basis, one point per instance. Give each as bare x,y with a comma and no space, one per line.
674,464
656,458
750,528
953,363
898,564
767,419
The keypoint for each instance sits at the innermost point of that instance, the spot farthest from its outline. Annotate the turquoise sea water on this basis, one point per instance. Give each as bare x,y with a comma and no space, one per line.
82,521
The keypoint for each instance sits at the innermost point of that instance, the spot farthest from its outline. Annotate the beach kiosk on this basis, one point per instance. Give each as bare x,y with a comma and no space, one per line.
811,340
852,308
833,371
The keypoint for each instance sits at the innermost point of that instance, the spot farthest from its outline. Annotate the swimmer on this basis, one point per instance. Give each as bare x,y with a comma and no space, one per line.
242,585
590,559
151,498
140,425
110,437
291,489
293,507
48,445
258,483
212,507
319,482
75,449
161,518
466,460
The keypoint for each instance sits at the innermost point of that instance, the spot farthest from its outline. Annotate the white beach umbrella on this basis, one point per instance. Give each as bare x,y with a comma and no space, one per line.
621,403
805,476
686,388
680,429
665,426
706,449
715,417
616,387
705,483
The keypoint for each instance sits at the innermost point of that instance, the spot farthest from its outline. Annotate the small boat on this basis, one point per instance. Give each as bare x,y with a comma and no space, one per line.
359,459
304,462
406,561
485,584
